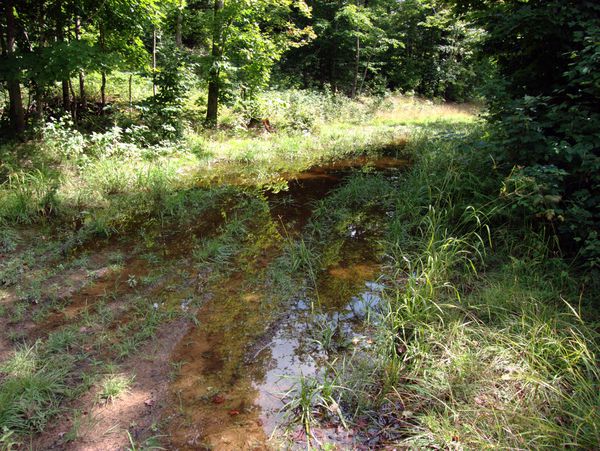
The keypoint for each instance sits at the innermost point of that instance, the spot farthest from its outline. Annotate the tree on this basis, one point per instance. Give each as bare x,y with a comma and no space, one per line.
410,45
247,38
545,109
212,106
16,112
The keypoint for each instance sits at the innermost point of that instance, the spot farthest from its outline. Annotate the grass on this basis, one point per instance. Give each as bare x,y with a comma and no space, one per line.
102,182
485,336
32,388
114,386
312,397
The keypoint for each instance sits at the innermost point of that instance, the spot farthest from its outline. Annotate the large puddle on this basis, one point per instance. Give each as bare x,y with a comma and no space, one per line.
235,368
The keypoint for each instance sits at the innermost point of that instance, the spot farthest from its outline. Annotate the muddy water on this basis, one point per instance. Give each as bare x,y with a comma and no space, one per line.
236,366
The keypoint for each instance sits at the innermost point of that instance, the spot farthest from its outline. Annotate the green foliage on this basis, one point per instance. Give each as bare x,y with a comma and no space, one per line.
61,139
413,46
162,113
254,35
483,338
546,114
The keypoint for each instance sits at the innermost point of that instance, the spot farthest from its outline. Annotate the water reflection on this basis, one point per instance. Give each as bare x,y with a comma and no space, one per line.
234,369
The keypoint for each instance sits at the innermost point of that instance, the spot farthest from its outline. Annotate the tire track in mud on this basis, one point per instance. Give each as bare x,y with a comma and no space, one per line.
224,386
222,369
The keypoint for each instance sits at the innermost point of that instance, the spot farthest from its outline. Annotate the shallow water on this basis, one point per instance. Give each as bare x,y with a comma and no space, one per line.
237,365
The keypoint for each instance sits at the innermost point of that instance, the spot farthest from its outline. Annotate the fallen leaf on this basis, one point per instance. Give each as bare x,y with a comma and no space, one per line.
218,399
234,412
149,402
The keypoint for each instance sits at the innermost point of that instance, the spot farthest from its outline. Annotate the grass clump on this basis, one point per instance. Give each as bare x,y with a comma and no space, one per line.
114,386
486,336
32,388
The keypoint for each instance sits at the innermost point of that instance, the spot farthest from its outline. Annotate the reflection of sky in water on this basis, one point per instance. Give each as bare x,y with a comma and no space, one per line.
293,351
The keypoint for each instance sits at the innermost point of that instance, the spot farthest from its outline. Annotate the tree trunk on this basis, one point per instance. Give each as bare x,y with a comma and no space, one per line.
364,77
356,67
154,62
103,92
16,111
103,73
178,38
74,112
212,107
38,88
130,92
82,96
66,98
60,34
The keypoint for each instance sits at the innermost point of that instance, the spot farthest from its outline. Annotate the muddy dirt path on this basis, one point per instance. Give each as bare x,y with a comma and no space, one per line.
237,365
219,381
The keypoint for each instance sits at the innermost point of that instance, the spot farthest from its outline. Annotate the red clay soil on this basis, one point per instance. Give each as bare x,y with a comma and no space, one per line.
104,426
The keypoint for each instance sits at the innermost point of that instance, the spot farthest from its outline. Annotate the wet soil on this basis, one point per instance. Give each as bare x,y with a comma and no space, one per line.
239,363
221,383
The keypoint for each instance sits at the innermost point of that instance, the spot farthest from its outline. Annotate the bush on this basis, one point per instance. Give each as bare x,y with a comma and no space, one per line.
301,110
546,115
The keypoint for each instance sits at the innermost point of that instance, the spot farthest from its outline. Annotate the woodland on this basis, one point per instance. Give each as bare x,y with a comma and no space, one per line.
299,224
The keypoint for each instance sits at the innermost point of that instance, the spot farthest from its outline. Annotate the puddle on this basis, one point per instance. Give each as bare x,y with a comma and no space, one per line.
236,366
293,207
294,352
230,373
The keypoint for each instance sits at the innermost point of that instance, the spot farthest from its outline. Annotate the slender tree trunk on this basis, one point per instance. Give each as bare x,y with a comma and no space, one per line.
154,62
16,111
364,77
356,67
66,98
39,102
82,96
38,88
212,107
60,35
73,103
130,92
178,27
102,72
103,92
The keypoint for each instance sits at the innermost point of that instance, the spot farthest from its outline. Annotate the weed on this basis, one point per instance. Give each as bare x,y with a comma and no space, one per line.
310,395
31,389
62,340
114,386
151,443
7,442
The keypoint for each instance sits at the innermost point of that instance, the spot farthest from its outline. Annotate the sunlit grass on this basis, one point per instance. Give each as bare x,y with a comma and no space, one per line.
105,184
114,386
415,111
483,339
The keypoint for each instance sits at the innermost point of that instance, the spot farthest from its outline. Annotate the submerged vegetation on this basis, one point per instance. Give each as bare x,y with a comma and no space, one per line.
267,224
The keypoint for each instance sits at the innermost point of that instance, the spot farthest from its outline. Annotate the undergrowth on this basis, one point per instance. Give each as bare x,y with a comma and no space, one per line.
486,336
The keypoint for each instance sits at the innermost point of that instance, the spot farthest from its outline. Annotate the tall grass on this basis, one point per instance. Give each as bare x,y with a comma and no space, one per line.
484,339
33,385
104,178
